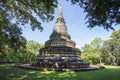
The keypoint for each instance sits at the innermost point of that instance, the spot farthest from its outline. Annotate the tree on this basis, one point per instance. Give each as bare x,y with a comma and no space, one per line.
107,51
112,47
90,54
24,54
32,50
105,56
116,39
95,53
97,45
104,13
16,13
21,11
10,38
116,35
109,47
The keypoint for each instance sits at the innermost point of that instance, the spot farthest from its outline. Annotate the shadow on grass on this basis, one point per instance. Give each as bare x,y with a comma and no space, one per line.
10,72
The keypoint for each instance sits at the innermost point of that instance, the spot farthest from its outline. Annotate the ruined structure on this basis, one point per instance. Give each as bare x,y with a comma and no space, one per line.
59,52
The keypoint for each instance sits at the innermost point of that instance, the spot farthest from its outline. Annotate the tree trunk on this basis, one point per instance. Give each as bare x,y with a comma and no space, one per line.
113,58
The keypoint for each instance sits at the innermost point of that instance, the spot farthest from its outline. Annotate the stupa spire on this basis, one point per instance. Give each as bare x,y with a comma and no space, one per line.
60,14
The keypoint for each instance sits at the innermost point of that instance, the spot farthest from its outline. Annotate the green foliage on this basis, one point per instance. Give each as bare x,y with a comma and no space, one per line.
10,72
24,54
105,57
103,13
10,37
16,13
112,47
32,50
116,35
92,58
96,43
91,52
107,52
22,11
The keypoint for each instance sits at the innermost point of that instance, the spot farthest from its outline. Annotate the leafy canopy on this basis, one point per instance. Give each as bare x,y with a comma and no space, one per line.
16,13
104,13
22,11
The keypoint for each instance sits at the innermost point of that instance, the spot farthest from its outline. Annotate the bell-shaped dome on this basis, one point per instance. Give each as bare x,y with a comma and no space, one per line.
60,29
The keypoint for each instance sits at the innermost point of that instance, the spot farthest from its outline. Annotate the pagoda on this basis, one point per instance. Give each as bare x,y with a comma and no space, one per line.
60,52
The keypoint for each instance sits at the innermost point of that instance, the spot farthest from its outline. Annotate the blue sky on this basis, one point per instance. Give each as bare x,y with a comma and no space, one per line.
75,22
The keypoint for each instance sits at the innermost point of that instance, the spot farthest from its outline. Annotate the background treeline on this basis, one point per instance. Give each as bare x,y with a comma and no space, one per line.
27,53
103,51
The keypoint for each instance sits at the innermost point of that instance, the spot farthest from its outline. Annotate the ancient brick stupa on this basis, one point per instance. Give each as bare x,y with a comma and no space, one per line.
59,52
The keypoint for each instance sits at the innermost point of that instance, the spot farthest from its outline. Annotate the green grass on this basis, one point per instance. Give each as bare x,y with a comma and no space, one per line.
10,72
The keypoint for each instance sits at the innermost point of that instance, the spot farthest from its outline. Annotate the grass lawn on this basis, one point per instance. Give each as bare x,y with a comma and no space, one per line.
10,72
